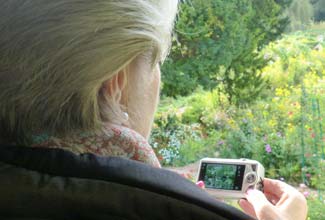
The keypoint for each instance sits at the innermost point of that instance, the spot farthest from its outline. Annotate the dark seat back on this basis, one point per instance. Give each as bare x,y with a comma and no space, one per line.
38,183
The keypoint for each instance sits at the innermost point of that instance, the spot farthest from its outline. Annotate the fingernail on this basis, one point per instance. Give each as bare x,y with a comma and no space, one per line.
242,199
200,184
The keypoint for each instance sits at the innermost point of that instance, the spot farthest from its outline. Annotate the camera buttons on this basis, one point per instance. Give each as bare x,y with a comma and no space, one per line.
251,178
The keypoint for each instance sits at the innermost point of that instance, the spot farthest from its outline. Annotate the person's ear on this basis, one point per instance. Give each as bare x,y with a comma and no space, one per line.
116,85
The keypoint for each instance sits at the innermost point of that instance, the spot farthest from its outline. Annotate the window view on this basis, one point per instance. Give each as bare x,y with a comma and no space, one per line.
93,92
246,79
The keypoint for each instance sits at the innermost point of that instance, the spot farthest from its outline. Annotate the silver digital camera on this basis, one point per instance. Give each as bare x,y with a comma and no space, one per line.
230,178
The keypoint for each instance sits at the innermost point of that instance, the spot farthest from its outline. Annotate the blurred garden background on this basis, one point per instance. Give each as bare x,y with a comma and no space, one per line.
245,79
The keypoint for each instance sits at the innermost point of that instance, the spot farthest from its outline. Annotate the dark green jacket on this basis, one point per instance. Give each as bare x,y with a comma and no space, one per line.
45,184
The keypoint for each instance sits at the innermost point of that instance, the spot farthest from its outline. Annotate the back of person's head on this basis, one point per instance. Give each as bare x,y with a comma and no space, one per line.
55,57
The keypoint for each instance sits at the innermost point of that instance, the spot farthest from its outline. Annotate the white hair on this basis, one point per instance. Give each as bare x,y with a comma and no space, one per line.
56,55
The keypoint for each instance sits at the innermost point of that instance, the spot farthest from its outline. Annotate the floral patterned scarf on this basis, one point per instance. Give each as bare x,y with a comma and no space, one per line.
114,140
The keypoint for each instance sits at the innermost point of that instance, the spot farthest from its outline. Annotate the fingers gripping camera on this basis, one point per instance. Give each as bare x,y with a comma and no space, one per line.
230,178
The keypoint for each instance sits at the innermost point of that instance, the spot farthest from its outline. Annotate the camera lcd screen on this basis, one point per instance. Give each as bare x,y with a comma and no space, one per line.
222,176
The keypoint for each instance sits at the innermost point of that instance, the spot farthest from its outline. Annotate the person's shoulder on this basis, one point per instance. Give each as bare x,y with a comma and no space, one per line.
123,132
132,141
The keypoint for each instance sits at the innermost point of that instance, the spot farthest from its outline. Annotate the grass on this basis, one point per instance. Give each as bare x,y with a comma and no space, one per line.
319,26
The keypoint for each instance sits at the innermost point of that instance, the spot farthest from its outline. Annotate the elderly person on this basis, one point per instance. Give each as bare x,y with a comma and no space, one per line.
82,75
79,82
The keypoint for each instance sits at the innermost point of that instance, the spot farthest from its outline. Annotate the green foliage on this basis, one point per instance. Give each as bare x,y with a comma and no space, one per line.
318,177
195,148
316,209
319,9
220,177
300,13
284,130
205,124
295,57
199,105
178,136
217,44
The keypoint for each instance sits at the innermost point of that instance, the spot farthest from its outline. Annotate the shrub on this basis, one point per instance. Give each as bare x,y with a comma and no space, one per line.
316,209
216,34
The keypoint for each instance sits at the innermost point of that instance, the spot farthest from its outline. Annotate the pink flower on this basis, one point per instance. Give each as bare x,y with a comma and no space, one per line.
313,135
306,194
302,186
308,155
268,148
221,142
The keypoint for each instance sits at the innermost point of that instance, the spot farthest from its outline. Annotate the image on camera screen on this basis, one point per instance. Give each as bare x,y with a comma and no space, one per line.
224,176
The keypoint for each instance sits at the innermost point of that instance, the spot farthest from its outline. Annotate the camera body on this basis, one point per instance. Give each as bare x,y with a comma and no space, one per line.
230,178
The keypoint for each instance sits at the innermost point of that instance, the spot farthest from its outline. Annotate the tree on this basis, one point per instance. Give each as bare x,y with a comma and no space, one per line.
319,10
217,43
300,13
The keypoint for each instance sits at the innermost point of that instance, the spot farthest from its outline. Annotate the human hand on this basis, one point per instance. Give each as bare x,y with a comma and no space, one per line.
280,201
